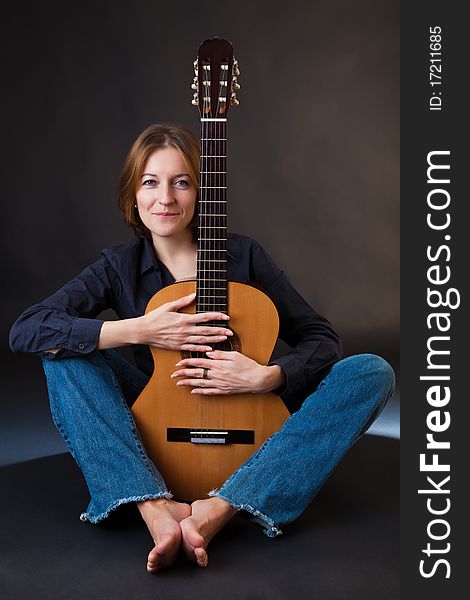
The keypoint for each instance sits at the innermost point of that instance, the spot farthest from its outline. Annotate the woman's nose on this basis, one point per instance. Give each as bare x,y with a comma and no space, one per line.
165,195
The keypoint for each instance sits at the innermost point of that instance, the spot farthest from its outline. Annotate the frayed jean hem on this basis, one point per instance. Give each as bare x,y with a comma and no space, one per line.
87,517
269,530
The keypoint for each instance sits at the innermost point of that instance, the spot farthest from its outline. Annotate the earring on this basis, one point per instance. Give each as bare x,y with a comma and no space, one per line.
135,205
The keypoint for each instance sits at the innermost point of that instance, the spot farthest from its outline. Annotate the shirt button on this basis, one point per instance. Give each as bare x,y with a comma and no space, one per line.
81,345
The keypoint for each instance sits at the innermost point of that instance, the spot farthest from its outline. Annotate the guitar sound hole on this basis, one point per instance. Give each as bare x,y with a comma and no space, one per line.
231,344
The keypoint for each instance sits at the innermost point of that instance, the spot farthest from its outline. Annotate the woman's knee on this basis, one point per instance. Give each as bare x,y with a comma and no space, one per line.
97,371
73,362
371,365
75,371
377,382
374,371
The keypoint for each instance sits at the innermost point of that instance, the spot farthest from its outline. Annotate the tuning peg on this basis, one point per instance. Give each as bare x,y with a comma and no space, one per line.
234,101
194,102
236,70
194,86
236,86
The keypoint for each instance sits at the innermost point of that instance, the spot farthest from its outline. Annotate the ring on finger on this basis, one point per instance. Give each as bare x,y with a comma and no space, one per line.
205,373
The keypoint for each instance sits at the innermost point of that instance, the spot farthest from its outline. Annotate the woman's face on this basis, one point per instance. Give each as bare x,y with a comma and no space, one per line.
166,197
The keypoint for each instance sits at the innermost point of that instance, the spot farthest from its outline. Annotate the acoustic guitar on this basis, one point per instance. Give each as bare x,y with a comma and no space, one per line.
197,442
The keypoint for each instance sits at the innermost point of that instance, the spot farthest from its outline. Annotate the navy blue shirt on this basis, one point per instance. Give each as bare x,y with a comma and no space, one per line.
126,276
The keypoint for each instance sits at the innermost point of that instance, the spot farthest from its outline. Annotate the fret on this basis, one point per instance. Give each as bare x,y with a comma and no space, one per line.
213,187
213,201
213,260
212,250
214,215
214,172
214,139
213,156
213,119
213,239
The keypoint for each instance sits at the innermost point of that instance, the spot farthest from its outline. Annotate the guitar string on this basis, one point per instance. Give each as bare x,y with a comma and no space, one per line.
222,204
206,153
200,294
217,193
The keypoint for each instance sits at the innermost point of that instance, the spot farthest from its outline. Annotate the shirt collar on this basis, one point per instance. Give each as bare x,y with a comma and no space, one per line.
148,259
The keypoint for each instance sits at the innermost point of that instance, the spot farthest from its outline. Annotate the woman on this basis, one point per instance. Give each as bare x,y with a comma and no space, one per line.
91,387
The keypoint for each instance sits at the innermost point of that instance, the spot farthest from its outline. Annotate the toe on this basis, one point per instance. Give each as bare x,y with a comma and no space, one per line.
152,560
201,557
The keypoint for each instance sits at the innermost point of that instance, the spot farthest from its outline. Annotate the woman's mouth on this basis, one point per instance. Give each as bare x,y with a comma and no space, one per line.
166,215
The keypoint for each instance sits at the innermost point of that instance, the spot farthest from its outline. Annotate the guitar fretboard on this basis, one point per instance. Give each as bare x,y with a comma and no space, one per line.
212,247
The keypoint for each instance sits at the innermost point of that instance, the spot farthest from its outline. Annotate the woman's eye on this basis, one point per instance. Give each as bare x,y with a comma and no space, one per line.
182,183
149,182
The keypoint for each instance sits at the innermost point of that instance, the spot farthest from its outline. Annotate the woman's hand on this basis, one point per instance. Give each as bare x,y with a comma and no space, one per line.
166,328
228,373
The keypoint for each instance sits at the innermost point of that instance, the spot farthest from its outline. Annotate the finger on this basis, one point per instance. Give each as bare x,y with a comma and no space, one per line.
209,392
180,302
210,330
209,316
221,354
194,382
195,348
183,373
206,339
206,363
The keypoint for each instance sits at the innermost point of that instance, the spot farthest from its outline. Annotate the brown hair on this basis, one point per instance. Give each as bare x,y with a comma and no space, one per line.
155,137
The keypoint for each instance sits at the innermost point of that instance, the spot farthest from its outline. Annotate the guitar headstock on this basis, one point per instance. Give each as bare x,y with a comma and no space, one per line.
215,82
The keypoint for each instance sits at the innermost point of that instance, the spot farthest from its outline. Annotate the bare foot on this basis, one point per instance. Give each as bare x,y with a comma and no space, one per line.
162,518
207,518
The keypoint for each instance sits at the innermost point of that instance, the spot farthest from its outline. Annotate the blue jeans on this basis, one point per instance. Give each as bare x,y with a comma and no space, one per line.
90,401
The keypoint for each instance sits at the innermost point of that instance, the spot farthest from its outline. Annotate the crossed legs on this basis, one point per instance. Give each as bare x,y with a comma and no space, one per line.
275,485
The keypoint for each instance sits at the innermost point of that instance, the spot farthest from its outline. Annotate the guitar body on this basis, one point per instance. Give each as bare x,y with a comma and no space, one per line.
191,469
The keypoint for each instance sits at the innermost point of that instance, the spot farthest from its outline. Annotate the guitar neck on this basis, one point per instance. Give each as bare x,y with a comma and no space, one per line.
212,246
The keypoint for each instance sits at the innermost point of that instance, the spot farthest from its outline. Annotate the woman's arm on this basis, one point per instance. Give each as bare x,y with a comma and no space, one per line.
315,345
64,323
164,327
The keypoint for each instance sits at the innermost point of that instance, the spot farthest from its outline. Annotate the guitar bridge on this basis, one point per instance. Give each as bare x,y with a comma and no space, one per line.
210,436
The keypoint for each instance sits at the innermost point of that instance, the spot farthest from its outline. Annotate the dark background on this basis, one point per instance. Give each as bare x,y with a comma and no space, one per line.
313,151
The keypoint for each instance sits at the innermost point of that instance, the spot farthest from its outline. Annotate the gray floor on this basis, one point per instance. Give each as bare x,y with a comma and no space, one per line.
26,429
345,546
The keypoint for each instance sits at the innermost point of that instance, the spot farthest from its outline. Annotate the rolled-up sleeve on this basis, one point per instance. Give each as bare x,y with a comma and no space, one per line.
66,320
315,346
